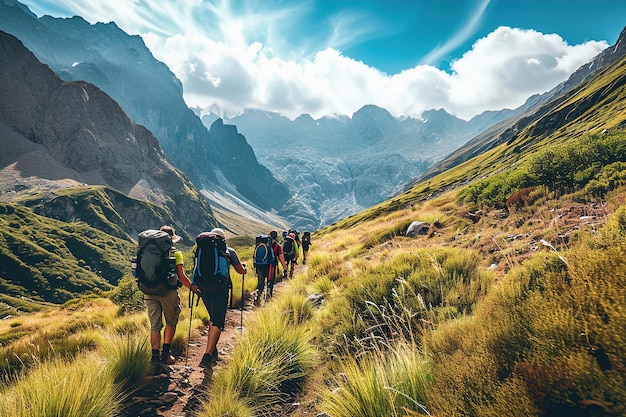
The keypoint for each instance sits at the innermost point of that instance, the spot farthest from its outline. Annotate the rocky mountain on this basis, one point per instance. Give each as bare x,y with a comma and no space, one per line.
535,108
57,134
339,165
123,67
327,168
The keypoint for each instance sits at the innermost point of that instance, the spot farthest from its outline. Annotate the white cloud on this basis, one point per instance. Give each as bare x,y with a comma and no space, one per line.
238,59
502,70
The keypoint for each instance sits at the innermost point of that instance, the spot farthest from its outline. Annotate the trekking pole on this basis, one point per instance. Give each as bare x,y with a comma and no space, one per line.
242,302
230,287
190,300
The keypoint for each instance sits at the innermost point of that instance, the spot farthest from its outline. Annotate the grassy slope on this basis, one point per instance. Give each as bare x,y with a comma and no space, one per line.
48,260
590,108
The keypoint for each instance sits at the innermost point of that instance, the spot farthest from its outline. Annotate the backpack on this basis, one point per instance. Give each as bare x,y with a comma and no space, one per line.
155,265
211,262
296,234
263,251
289,249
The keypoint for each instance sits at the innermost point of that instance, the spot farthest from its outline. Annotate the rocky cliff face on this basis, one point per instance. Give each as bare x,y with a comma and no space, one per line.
147,91
337,166
56,134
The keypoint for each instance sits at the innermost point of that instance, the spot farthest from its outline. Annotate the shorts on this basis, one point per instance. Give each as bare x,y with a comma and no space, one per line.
160,306
216,303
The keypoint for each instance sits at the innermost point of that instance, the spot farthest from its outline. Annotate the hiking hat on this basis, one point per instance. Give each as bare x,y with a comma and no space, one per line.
292,236
170,231
218,231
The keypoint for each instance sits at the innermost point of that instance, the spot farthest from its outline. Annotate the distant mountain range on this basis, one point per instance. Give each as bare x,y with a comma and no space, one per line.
337,166
309,172
326,169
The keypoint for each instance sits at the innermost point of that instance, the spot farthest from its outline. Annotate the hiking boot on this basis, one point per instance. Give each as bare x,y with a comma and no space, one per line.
168,360
214,356
206,362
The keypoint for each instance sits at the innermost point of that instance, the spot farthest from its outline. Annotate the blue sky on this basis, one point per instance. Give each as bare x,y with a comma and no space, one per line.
334,56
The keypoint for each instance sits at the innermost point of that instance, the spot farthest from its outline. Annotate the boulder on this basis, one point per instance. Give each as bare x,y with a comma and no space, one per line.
417,228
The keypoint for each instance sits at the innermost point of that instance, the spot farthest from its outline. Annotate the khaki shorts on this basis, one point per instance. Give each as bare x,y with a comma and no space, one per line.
160,306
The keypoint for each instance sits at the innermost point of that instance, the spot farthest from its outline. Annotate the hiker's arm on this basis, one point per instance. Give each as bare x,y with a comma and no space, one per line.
182,277
240,268
281,257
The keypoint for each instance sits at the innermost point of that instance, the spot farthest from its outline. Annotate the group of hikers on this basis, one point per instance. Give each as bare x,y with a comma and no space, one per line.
272,250
159,269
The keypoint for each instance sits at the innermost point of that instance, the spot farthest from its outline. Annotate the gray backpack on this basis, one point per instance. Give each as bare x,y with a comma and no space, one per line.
155,265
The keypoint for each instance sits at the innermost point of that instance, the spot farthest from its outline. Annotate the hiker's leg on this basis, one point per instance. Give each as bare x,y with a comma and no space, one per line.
260,275
171,311
168,334
153,306
155,340
212,338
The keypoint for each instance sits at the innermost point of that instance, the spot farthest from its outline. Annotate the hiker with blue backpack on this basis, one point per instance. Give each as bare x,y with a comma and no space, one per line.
267,254
159,270
211,277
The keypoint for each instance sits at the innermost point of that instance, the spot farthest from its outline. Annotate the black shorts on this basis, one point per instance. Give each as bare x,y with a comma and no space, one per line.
216,303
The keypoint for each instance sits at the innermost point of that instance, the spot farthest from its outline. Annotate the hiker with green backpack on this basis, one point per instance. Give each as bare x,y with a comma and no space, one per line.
159,270
290,251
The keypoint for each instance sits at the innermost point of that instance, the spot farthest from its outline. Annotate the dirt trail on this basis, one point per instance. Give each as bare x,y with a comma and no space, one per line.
179,389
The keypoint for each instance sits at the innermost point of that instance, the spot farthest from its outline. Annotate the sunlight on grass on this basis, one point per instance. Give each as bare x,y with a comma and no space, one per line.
269,365
388,383
82,388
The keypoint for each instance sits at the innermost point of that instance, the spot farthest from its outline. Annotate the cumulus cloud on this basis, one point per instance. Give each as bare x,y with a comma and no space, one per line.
237,59
501,71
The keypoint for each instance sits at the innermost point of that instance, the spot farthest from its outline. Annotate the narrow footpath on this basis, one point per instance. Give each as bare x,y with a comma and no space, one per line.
179,389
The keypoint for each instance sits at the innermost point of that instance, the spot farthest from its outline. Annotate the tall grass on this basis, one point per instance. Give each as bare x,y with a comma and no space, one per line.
269,366
388,383
404,295
128,359
59,388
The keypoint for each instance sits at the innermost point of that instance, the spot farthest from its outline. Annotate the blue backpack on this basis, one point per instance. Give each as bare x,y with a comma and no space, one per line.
263,251
211,266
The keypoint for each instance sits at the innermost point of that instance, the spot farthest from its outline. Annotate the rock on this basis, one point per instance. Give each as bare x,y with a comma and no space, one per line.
417,228
315,300
169,397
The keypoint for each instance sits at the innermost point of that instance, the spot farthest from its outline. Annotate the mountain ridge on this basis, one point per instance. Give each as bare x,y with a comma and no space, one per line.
66,134
146,89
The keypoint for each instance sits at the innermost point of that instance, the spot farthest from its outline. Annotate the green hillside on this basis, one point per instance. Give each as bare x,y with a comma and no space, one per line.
47,260
594,107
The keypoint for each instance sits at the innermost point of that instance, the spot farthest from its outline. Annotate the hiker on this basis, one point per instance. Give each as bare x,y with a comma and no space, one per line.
306,244
290,252
215,300
165,302
267,270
